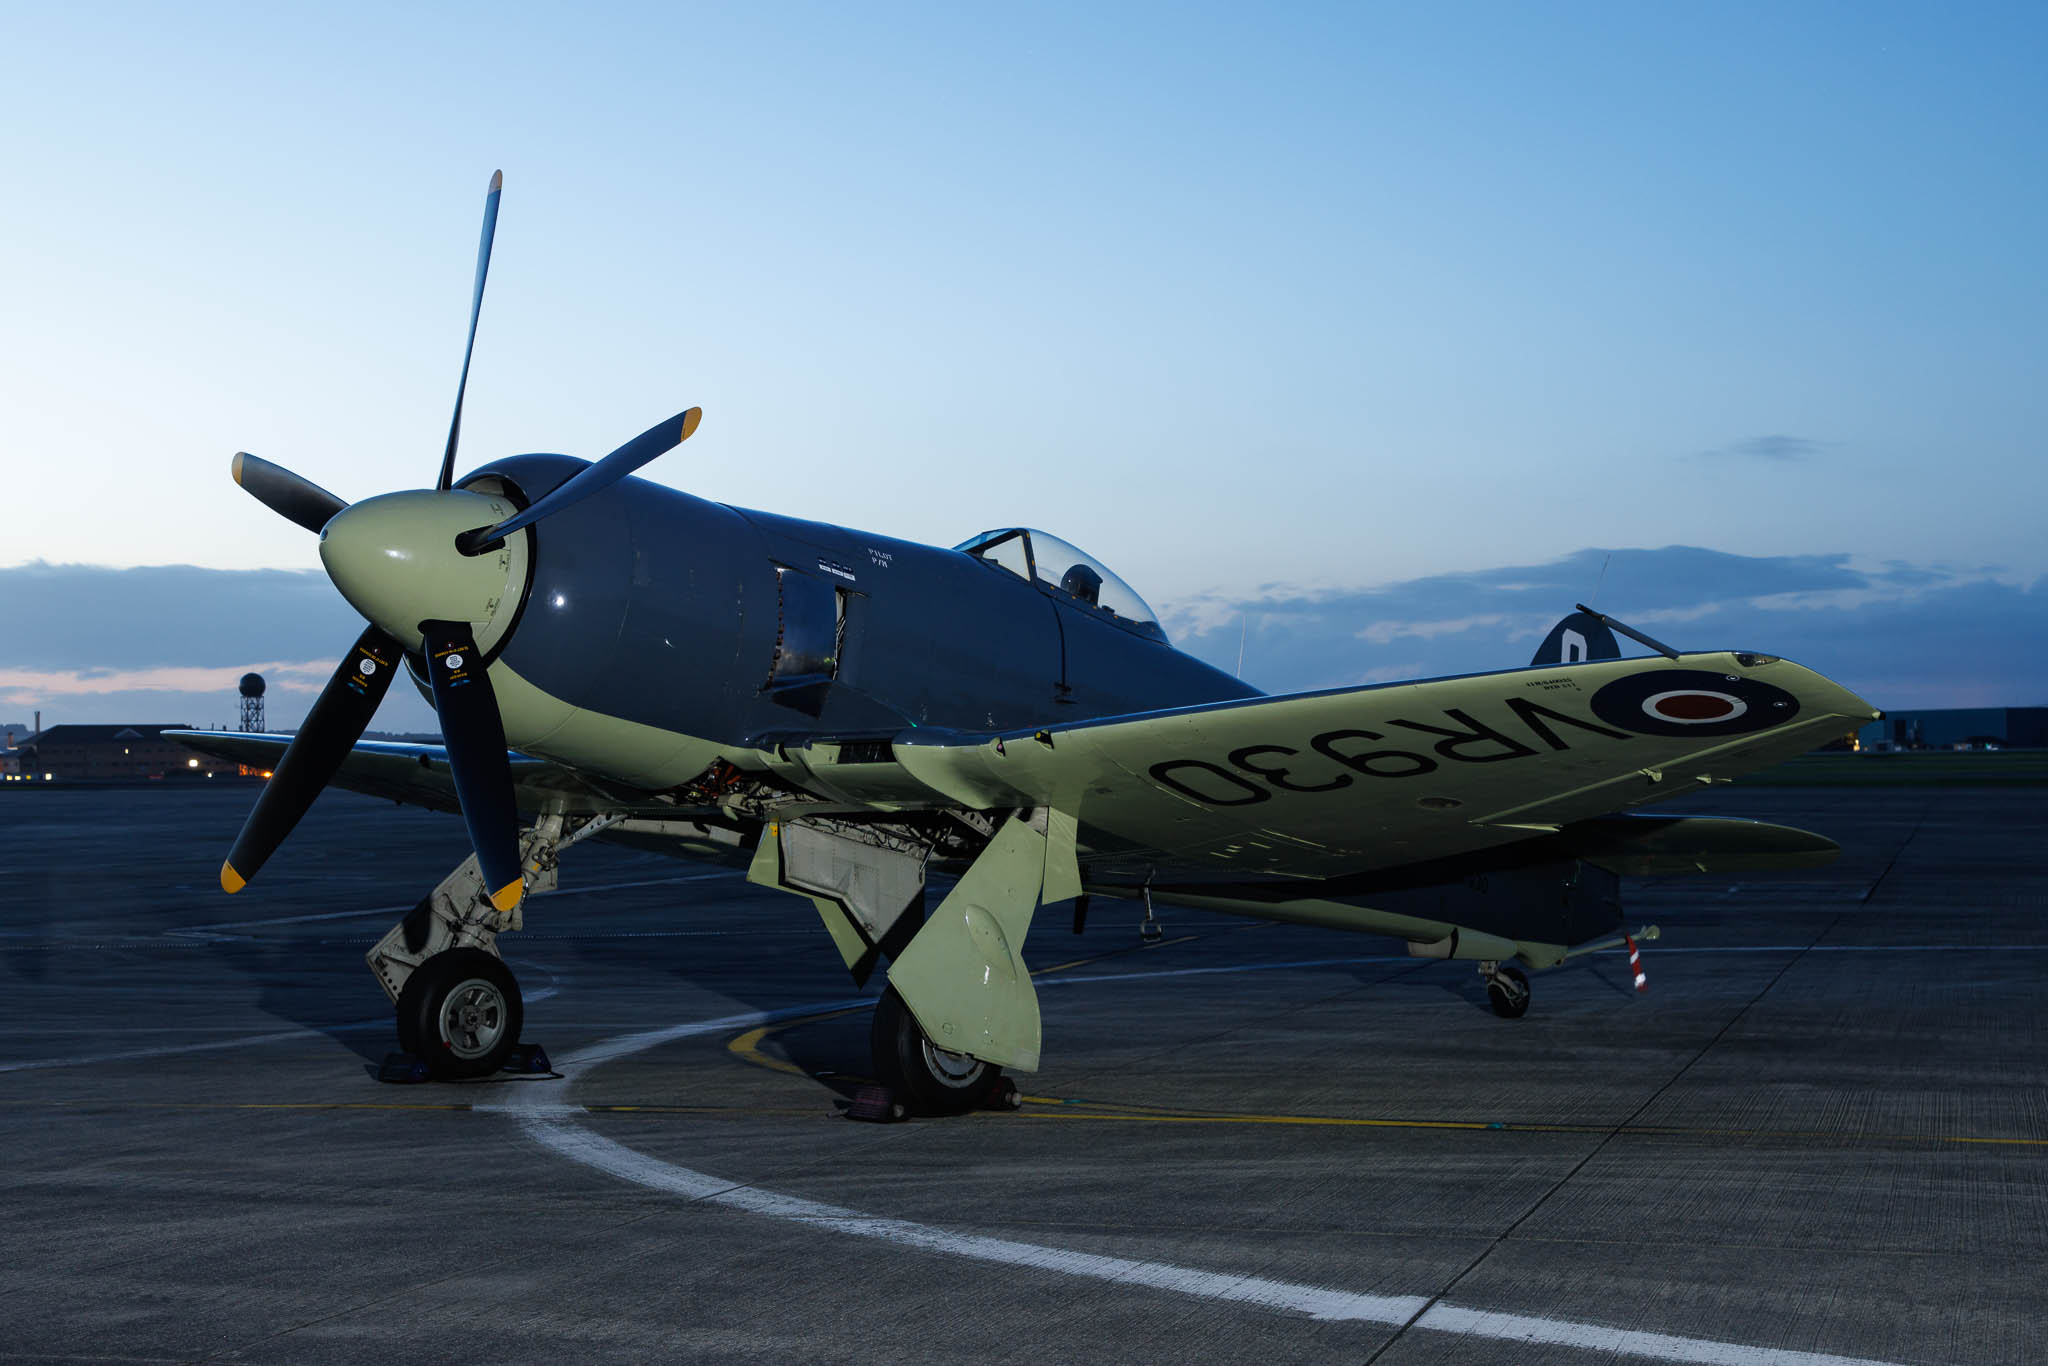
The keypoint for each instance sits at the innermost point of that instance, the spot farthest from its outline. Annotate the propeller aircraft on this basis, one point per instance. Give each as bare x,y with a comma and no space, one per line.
841,712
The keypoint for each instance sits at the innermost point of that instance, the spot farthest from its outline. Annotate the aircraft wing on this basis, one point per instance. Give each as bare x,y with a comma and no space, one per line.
418,774
1330,785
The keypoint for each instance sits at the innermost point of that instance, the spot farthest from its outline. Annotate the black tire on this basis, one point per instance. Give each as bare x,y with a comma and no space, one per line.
1508,990
931,1081
460,1013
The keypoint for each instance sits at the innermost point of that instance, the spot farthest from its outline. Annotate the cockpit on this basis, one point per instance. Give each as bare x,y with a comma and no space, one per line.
1062,569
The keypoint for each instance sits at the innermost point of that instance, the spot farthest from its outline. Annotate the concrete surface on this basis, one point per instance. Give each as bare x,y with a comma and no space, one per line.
1821,1134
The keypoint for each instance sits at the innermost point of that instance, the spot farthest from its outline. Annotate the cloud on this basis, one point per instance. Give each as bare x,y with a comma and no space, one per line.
1903,635
85,643
21,687
1777,447
89,643
73,616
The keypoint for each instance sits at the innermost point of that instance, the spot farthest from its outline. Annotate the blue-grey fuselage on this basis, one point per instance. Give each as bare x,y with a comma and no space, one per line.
651,605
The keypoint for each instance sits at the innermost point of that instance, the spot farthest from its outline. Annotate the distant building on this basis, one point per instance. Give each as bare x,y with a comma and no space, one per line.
1958,728
12,735
114,751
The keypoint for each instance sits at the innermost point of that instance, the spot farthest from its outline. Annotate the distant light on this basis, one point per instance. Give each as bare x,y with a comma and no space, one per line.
560,600
48,776
191,763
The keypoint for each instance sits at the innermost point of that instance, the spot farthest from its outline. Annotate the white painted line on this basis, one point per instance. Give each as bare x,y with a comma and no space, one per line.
553,1125
1478,1323
580,1145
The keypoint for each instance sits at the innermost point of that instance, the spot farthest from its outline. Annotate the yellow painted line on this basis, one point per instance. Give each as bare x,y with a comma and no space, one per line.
1113,953
233,1105
1055,1108
747,1047
1058,1110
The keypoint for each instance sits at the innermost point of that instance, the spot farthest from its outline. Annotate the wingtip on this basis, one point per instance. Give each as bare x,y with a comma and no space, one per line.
507,896
690,421
230,880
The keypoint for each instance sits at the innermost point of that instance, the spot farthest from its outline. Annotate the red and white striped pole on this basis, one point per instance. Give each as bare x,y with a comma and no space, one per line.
1635,963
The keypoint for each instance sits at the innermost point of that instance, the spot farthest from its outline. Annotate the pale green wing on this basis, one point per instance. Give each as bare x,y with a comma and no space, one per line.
418,774
1319,785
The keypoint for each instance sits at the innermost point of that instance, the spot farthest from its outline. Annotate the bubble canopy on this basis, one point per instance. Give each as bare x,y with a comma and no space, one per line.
1060,567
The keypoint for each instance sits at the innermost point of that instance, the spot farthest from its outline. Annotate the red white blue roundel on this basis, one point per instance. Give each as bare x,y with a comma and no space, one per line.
1693,702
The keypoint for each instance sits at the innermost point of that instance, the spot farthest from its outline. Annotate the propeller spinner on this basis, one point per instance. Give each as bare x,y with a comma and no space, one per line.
431,569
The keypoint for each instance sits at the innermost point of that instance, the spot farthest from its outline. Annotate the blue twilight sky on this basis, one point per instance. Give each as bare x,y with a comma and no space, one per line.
1309,314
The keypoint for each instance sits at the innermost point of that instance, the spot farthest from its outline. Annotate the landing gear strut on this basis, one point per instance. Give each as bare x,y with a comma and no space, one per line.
1507,987
929,1079
459,1009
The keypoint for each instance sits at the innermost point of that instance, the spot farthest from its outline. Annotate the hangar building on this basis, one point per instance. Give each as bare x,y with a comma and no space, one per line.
103,752
1958,727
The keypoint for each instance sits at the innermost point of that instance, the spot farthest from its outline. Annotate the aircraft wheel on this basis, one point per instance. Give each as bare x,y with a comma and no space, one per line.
1508,989
460,1012
931,1080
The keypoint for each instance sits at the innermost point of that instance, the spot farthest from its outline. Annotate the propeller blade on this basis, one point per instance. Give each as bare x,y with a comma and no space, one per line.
659,439
285,493
476,305
331,728
475,737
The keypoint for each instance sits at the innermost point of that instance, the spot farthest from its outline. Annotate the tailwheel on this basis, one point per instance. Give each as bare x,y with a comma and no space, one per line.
931,1080
1507,987
460,1012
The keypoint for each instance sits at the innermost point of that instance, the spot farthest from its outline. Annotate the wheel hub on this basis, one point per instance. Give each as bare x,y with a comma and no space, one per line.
949,1068
473,1018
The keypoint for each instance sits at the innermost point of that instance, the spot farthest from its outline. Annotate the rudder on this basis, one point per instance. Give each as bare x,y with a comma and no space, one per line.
1579,637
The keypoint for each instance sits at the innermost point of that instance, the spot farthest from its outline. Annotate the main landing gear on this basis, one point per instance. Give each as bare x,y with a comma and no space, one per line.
931,1080
1507,988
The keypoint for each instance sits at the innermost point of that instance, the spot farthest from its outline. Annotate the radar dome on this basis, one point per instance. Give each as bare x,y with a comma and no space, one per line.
252,685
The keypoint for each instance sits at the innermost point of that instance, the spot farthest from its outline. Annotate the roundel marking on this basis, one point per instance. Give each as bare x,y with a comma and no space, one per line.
1694,706
453,661
367,667
1693,702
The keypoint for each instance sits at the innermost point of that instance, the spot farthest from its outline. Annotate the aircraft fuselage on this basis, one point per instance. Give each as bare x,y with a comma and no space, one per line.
668,611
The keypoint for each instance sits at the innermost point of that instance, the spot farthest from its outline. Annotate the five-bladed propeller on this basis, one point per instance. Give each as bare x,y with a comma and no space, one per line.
428,568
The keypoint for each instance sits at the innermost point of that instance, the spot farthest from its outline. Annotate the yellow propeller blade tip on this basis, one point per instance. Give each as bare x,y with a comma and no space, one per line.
497,181
230,880
690,421
236,468
507,896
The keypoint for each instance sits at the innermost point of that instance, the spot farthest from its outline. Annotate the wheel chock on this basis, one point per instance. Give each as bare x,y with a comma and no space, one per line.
527,1058
402,1069
876,1105
1002,1094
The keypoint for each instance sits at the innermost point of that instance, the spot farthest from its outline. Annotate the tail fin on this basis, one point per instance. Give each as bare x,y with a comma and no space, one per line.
1578,637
